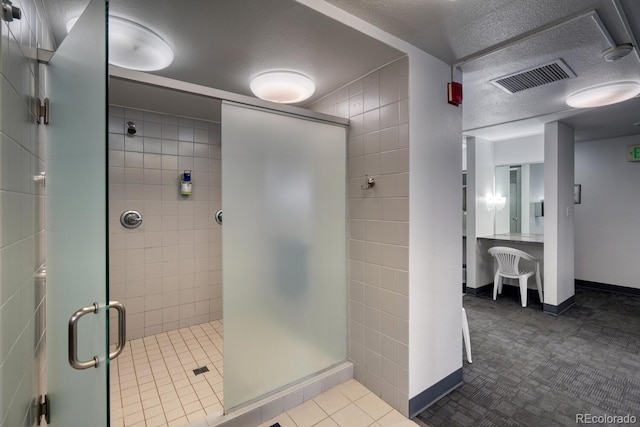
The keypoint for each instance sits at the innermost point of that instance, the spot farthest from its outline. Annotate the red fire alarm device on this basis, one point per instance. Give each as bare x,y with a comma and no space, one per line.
454,93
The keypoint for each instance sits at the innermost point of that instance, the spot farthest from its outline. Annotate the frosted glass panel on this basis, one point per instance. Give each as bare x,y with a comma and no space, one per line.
76,220
283,240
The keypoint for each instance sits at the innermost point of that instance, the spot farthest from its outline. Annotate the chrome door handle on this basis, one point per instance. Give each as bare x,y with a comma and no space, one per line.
73,339
73,335
122,328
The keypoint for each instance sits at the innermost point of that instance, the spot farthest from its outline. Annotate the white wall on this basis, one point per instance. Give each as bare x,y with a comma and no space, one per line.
528,149
435,241
607,235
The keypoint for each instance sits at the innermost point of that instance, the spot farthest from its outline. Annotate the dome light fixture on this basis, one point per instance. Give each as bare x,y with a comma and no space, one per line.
603,94
133,46
71,23
284,87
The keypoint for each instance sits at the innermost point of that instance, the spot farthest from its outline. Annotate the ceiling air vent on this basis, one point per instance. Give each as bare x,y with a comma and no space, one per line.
533,77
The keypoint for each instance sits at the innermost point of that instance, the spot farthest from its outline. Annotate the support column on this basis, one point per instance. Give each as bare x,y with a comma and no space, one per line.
559,276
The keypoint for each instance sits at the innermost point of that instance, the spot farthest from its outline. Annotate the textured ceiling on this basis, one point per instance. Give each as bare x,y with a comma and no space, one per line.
223,43
578,43
459,31
452,30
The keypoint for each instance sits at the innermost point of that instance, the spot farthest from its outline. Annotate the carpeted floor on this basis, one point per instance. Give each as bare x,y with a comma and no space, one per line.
534,369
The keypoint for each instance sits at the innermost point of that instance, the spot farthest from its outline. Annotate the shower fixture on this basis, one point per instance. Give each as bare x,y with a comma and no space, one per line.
131,219
219,217
40,178
131,128
369,183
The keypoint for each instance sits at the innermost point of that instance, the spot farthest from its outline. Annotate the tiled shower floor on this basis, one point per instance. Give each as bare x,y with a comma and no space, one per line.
153,384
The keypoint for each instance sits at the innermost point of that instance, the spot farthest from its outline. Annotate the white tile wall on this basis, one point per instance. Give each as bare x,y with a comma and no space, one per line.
377,107
167,272
22,317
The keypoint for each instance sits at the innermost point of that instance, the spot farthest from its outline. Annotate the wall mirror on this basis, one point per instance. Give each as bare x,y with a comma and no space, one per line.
523,187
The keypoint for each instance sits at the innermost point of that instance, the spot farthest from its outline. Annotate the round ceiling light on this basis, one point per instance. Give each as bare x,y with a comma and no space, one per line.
603,94
134,47
285,87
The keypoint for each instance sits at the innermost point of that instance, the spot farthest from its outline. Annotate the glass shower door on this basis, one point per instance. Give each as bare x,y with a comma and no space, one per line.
283,238
76,227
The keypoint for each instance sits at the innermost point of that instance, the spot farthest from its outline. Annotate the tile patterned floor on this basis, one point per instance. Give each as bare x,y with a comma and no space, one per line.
534,369
349,404
153,385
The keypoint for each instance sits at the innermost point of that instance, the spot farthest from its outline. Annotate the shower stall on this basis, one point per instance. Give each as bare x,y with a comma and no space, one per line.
221,316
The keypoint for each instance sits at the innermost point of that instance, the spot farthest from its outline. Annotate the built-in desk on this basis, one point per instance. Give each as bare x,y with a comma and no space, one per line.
533,244
516,237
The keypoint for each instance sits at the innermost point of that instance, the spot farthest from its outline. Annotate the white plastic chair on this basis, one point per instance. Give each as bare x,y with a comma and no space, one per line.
509,266
465,334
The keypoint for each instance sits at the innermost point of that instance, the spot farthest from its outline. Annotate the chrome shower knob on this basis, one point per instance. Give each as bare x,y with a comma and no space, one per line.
131,219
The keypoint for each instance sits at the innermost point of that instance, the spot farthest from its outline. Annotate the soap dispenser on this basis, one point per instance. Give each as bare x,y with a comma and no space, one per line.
185,183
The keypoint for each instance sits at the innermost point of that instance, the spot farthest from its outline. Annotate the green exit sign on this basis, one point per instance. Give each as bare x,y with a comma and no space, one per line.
633,153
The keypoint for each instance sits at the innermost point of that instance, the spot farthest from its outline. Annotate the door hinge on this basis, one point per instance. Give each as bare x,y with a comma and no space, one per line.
10,12
44,409
43,111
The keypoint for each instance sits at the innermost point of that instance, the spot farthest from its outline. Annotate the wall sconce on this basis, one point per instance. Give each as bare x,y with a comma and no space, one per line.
496,201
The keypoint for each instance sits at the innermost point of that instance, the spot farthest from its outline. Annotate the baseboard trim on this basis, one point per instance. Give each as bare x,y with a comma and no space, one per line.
428,397
557,310
607,287
478,291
